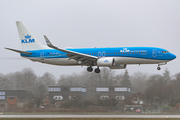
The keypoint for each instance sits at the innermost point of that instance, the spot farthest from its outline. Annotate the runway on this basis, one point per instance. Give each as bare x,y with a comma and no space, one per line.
89,116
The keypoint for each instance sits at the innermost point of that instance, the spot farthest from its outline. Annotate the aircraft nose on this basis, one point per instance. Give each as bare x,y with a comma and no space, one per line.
173,56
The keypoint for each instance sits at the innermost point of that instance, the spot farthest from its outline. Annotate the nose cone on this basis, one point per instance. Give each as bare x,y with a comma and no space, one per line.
172,56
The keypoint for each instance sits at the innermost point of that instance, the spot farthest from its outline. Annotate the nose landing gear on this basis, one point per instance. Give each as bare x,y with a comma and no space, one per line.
158,68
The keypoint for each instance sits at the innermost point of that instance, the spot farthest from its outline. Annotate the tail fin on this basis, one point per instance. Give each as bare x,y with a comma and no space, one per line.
28,40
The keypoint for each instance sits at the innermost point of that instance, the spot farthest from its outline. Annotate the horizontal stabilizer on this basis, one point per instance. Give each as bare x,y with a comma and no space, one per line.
19,51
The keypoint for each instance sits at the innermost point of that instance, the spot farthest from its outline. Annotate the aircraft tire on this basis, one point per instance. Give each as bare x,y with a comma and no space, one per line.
158,68
89,69
97,70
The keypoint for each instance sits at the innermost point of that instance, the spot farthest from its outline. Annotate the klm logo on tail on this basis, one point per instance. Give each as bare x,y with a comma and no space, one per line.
27,39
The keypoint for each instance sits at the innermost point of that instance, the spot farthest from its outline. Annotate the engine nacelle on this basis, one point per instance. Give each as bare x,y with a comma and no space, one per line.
118,67
106,62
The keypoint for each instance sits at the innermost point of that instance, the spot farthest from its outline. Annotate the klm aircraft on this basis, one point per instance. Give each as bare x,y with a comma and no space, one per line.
112,57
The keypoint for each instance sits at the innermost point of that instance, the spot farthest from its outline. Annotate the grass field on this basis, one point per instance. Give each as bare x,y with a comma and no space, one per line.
89,118
85,113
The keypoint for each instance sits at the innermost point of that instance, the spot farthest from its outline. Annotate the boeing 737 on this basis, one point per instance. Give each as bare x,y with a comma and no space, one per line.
112,57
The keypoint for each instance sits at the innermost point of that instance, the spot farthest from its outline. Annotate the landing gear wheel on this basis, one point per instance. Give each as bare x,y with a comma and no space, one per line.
158,68
89,69
97,70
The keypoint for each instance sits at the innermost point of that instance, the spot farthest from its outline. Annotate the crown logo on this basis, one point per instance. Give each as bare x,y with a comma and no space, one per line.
124,50
27,36
106,61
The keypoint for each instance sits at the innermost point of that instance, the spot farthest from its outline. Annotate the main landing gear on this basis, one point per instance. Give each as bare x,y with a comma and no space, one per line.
90,69
97,70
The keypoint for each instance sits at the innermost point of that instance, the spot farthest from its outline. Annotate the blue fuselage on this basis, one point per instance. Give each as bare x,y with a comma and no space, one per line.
130,52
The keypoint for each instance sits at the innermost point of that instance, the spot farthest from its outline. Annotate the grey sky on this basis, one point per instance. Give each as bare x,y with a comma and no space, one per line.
90,23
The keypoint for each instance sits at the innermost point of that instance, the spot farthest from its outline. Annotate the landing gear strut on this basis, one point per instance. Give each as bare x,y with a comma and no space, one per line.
164,63
90,69
158,68
97,70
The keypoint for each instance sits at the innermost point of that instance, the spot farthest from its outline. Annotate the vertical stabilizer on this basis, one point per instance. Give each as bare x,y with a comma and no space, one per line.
28,40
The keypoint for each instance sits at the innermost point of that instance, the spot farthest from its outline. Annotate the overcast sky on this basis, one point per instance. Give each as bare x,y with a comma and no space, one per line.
90,23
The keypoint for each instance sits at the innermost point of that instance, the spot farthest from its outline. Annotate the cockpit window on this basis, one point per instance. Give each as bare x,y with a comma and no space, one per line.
165,51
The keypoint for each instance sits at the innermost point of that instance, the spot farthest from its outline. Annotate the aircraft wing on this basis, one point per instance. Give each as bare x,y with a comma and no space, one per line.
83,58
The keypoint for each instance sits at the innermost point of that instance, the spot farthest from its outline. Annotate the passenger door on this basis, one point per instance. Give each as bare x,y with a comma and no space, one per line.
42,55
154,53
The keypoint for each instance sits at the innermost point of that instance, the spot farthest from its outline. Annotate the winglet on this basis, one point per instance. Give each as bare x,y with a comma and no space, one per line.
48,42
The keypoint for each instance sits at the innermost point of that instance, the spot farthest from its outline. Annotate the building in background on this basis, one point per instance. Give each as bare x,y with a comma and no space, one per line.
10,99
61,94
58,95
117,92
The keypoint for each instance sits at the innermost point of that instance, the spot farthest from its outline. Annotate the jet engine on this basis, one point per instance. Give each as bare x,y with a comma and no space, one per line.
106,62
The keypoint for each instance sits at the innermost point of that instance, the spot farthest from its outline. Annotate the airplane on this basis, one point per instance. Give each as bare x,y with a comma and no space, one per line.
112,57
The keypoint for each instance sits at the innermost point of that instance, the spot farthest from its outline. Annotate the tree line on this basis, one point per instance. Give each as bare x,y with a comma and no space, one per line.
162,88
